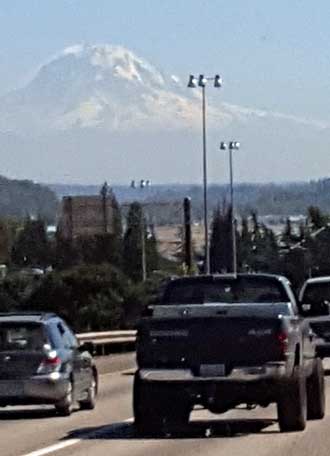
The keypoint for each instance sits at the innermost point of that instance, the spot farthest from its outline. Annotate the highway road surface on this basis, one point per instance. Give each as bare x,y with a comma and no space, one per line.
108,430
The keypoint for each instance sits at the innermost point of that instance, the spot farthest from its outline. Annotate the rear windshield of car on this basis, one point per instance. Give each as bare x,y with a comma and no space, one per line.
317,295
239,290
317,292
21,337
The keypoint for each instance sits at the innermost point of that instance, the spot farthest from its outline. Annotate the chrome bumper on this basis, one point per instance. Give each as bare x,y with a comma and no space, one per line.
272,371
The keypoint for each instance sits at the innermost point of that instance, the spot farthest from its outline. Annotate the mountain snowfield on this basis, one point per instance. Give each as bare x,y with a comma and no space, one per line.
107,87
100,111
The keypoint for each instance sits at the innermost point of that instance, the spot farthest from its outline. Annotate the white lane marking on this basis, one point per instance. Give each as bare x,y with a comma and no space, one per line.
53,448
71,442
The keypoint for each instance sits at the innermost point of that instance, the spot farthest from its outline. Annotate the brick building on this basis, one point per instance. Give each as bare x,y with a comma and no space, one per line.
86,216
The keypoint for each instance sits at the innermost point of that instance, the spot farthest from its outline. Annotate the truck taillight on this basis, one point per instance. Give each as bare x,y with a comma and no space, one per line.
49,364
283,341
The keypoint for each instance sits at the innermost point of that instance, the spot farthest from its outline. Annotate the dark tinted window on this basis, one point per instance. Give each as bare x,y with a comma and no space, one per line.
240,290
317,295
22,337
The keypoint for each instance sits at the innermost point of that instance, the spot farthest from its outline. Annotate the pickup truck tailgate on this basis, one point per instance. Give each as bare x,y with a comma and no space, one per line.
198,341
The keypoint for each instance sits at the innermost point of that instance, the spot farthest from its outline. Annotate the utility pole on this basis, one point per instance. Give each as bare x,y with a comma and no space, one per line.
233,145
187,233
143,247
104,193
201,82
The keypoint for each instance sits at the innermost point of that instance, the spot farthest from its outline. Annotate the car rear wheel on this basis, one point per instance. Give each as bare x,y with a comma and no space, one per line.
292,406
90,402
316,392
65,406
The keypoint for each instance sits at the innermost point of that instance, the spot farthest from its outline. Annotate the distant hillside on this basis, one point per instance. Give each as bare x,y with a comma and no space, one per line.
21,198
275,199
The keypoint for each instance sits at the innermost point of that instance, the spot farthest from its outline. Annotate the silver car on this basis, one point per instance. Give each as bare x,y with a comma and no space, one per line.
41,362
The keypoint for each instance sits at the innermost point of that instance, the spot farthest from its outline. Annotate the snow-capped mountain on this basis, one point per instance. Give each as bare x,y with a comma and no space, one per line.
111,88
100,111
108,87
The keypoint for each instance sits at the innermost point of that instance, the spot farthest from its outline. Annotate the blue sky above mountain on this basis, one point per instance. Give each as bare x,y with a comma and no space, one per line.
272,55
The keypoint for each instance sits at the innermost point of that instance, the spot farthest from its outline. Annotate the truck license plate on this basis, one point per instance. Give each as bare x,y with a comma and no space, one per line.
212,370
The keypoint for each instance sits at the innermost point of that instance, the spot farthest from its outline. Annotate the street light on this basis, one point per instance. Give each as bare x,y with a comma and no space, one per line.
232,145
193,83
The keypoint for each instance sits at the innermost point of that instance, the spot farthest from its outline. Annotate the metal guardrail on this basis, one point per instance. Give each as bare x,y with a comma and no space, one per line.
104,341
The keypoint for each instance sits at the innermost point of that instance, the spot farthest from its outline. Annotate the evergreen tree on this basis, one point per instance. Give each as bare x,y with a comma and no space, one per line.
221,241
31,246
244,246
316,218
5,242
67,253
256,234
115,239
152,255
264,253
287,233
134,238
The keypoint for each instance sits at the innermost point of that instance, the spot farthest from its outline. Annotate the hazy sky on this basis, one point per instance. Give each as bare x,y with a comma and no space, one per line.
272,54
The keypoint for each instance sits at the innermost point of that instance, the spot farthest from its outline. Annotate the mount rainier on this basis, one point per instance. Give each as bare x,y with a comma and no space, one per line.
95,112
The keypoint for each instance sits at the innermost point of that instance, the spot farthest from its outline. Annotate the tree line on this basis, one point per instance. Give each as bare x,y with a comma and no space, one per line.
296,254
21,198
96,282
268,198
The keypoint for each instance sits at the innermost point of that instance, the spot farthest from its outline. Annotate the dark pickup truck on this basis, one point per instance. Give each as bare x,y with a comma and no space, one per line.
220,341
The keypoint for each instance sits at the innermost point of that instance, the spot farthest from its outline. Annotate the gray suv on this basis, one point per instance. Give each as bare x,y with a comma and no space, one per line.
41,362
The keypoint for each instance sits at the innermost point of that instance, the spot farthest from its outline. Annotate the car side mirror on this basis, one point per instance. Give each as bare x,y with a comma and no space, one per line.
87,347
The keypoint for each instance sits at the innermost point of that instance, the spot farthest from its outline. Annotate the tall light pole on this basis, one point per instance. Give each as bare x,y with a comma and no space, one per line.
232,145
193,83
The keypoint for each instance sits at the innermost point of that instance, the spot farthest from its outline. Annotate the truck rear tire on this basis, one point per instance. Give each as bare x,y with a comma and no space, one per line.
145,408
316,392
292,406
157,406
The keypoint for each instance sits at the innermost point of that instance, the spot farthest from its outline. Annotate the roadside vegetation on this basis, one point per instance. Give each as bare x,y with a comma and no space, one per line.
96,282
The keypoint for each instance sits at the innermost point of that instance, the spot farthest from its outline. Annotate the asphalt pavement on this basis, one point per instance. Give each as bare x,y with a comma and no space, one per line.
108,430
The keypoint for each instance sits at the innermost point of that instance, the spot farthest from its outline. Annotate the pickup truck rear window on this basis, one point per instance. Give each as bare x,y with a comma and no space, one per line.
240,290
